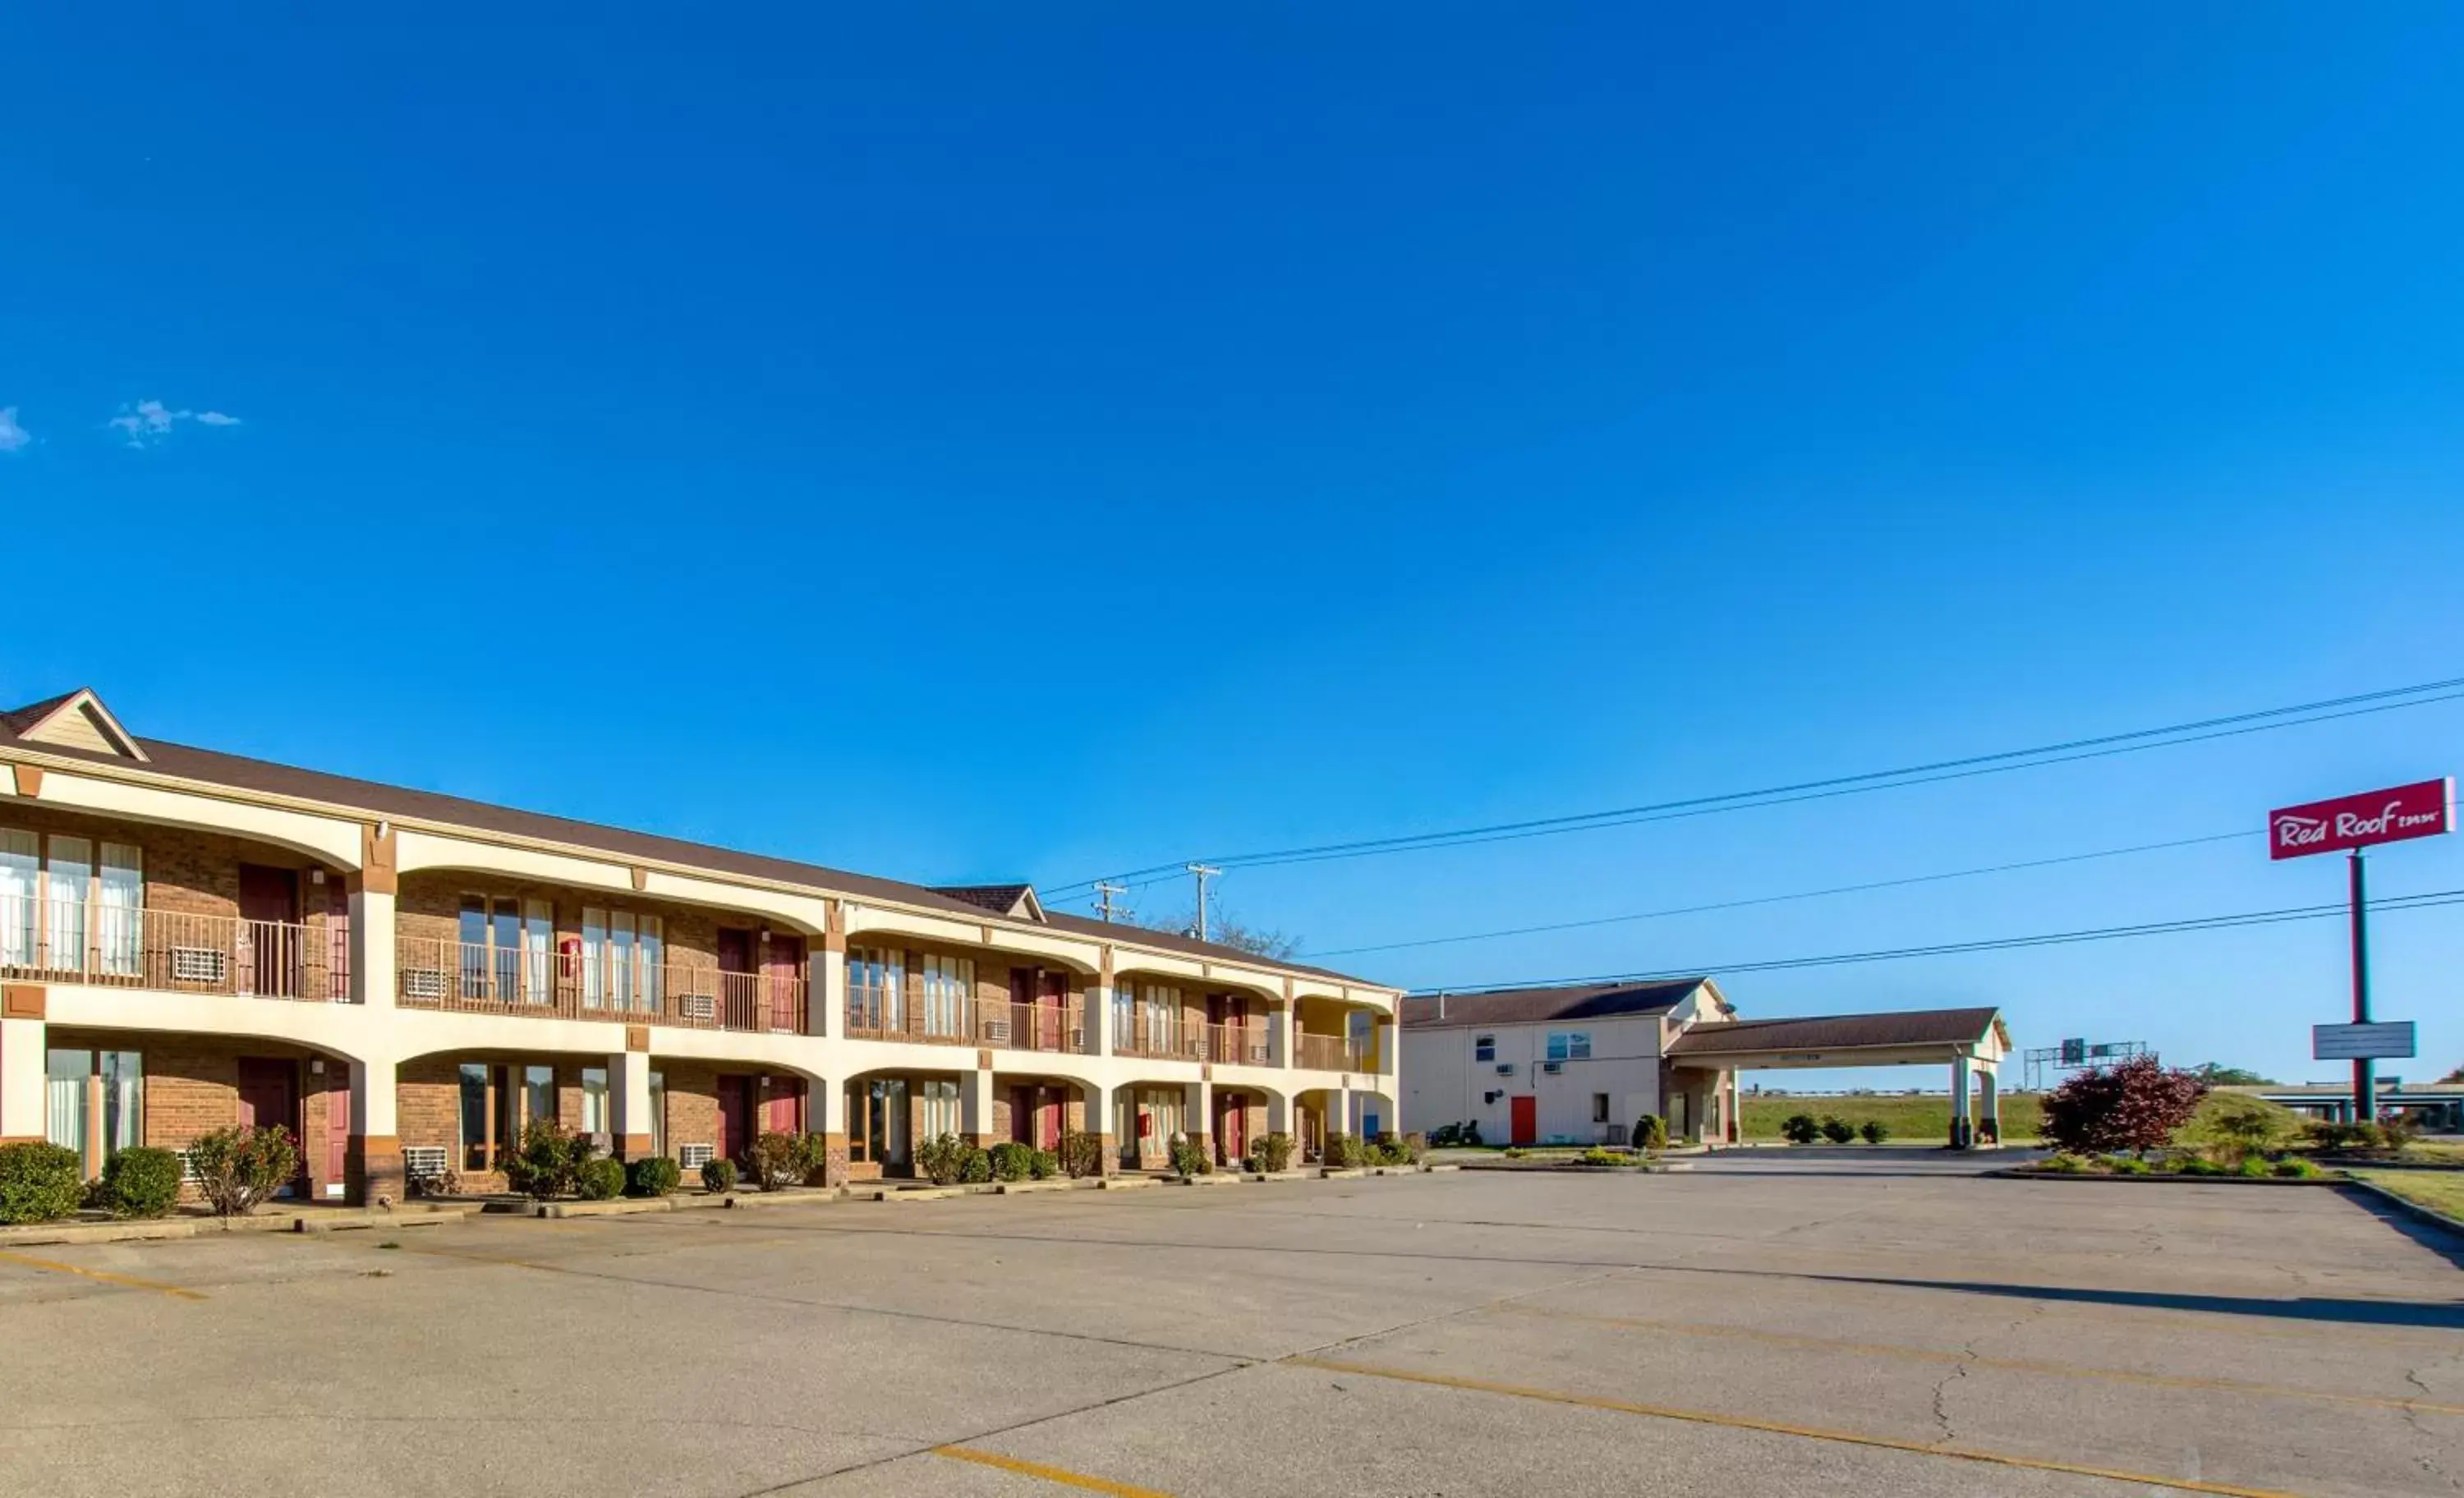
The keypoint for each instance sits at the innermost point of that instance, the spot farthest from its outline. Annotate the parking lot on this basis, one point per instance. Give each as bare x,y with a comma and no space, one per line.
1774,1323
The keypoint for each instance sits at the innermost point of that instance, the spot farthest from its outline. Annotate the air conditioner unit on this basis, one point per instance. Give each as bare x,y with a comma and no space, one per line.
198,965
1553,1068
423,983
697,1006
694,1156
1506,1068
995,1032
423,1161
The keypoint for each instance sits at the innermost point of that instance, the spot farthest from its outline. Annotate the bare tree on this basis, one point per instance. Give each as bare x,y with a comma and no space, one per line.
1223,931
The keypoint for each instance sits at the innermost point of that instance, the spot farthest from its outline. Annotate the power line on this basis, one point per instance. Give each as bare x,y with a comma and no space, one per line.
2070,751
2402,902
1780,899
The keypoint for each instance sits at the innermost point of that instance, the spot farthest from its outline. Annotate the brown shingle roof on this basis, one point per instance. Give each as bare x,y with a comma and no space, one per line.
1543,1006
1837,1032
377,800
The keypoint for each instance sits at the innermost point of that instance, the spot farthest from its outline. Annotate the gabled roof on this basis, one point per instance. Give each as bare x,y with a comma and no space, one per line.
375,801
1017,901
1839,1032
1546,1005
74,721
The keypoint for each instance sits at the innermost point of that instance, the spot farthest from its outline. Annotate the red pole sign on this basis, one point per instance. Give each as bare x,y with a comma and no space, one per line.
2424,810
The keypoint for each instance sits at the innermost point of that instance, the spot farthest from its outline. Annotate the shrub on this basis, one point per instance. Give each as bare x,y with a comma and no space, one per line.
1595,1156
1651,1133
2194,1165
40,1183
1082,1155
549,1162
1042,1165
653,1176
238,1168
780,1161
1874,1130
1513,1153
1275,1153
2128,1165
2135,1106
1838,1131
2398,1128
2296,1169
2340,1138
1800,1129
2238,1126
601,1180
1188,1159
947,1161
1012,1161
1342,1152
2252,1165
2062,1164
141,1183
719,1174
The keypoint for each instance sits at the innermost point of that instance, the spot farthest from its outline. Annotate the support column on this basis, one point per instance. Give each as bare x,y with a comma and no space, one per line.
1199,1112
373,949
1286,1023
372,1159
1099,1023
976,1108
1989,1131
22,1049
828,1112
1278,1114
1389,1048
1962,1132
828,1014
628,1099
1099,1120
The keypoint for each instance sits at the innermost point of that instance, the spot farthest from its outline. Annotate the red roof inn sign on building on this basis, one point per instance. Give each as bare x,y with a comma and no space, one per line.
2348,825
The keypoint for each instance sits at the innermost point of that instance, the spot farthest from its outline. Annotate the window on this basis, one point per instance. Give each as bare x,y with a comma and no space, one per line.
623,960
1484,1047
1154,1011
538,1096
1599,1108
84,1086
949,983
67,1081
505,950
1151,1117
51,906
658,1113
1569,1045
474,1116
594,1100
938,1109
876,989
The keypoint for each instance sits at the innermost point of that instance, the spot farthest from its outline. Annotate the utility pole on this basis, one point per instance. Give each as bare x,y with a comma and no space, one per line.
2366,1079
1105,889
1204,873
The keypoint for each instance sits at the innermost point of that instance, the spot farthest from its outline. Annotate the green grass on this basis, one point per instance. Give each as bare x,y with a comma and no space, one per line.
1911,1120
2440,1193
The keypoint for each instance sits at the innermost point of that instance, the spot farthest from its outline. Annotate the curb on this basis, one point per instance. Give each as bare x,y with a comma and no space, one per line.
173,1229
2168,1178
2410,1208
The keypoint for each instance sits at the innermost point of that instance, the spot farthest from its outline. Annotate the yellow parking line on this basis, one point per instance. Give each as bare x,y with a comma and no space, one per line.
1931,1354
1050,1474
104,1275
1778,1428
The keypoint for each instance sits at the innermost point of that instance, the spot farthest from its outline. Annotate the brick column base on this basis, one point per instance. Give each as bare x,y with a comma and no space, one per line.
834,1160
631,1147
372,1168
1107,1159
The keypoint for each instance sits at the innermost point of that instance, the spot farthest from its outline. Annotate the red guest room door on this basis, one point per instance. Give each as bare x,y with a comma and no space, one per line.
1527,1119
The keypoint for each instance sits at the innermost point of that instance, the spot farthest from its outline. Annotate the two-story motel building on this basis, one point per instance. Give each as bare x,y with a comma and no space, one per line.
190,939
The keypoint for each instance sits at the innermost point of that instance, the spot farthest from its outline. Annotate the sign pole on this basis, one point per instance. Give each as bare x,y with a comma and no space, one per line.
2366,1107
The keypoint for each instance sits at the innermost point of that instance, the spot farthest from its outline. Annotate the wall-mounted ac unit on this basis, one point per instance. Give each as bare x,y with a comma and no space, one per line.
198,965
1506,1068
694,1156
697,1006
423,1161
995,1032
423,983
1553,1068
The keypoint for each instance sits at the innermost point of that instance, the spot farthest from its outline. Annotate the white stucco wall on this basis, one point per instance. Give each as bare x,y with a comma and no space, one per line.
1443,1084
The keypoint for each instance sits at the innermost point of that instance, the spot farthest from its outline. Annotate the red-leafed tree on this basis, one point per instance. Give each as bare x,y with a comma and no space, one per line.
2135,1106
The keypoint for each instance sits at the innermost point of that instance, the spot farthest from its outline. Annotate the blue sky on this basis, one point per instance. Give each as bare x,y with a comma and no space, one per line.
1004,442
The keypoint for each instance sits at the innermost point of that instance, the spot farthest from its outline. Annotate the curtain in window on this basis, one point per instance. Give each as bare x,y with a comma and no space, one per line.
69,871
594,956
538,1094
20,877
66,1074
119,902
940,1107
1163,1017
539,955
1125,1024
594,1100
948,984
124,1101
620,960
654,957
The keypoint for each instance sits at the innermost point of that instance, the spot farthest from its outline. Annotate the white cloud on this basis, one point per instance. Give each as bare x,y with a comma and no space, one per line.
12,435
148,422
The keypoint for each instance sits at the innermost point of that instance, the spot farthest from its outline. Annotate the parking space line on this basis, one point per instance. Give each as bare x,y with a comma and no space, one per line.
1778,1428
1934,1355
1060,1476
104,1275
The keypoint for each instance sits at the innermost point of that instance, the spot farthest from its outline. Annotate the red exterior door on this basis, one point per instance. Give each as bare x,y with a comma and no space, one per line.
1047,1122
269,902
782,963
1526,1120
1051,998
735,1115
736,1005
782,1111
1231,1126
